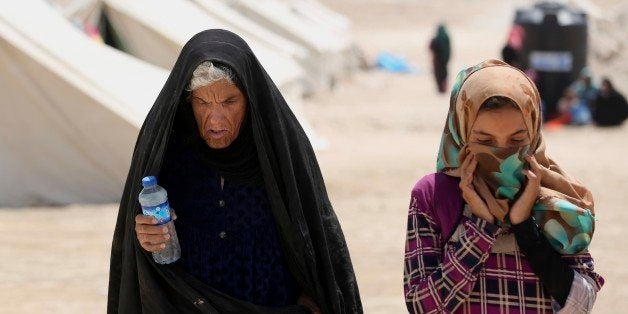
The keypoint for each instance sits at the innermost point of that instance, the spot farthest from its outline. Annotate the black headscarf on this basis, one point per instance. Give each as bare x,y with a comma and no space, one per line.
311,236
236,163
610,108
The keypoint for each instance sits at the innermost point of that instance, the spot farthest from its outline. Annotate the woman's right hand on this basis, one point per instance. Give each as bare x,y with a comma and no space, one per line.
471,197
152,237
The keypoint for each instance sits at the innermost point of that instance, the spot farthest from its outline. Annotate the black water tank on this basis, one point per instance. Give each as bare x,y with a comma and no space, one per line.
555,45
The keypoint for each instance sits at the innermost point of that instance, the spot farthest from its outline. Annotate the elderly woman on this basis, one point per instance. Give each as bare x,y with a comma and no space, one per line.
500,228
256,228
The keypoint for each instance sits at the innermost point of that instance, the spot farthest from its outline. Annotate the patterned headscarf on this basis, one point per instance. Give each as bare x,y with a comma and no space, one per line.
564,208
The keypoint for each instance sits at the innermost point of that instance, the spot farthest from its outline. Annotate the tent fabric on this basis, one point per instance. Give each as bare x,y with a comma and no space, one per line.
157,33
240,24
323,12
328,47
71,109
323,17
281,19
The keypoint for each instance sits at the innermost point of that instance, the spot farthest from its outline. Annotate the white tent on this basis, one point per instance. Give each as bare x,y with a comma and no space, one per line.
327,20
157,33
282,19
70,109
240,24
324,18
320,14
327,45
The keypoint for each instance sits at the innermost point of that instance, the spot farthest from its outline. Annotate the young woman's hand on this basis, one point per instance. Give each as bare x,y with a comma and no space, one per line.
522,208
471,197
152,237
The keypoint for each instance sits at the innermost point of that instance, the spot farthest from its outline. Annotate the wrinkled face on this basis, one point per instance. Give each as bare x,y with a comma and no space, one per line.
219,110
503,127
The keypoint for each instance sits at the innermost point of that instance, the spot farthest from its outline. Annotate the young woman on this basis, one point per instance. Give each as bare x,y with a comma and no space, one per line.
500,228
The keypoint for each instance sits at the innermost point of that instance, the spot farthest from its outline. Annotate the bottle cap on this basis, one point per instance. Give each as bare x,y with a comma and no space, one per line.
149,181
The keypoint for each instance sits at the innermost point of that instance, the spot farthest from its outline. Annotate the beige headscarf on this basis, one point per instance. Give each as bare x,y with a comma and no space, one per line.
564,208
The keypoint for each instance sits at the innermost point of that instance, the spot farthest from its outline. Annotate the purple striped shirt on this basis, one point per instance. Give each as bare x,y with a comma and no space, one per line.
465,276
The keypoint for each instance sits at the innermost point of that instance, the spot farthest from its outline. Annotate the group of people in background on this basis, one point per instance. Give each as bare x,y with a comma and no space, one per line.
582,103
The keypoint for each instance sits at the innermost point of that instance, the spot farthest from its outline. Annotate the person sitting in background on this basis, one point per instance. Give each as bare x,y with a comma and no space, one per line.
584,87
572,110
610,107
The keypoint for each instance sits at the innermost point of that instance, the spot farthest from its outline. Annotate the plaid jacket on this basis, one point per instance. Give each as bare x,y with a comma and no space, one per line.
466,277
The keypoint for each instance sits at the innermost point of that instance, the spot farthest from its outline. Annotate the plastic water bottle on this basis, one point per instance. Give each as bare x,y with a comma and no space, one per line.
154,201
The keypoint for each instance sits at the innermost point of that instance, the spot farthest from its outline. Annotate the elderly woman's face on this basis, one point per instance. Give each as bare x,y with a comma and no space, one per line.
219,110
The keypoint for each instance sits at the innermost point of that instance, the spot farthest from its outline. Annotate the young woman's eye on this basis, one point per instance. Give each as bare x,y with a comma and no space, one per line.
515,140
485,142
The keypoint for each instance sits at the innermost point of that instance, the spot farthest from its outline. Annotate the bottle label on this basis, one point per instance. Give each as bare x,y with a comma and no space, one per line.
161,212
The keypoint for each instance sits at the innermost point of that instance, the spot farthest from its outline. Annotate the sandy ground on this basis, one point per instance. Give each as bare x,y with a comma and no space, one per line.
384,130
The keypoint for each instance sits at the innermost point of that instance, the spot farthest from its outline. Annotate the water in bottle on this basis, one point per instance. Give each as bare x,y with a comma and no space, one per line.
154,201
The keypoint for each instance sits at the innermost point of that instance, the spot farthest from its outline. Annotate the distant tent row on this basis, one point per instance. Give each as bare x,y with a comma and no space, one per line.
72,107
